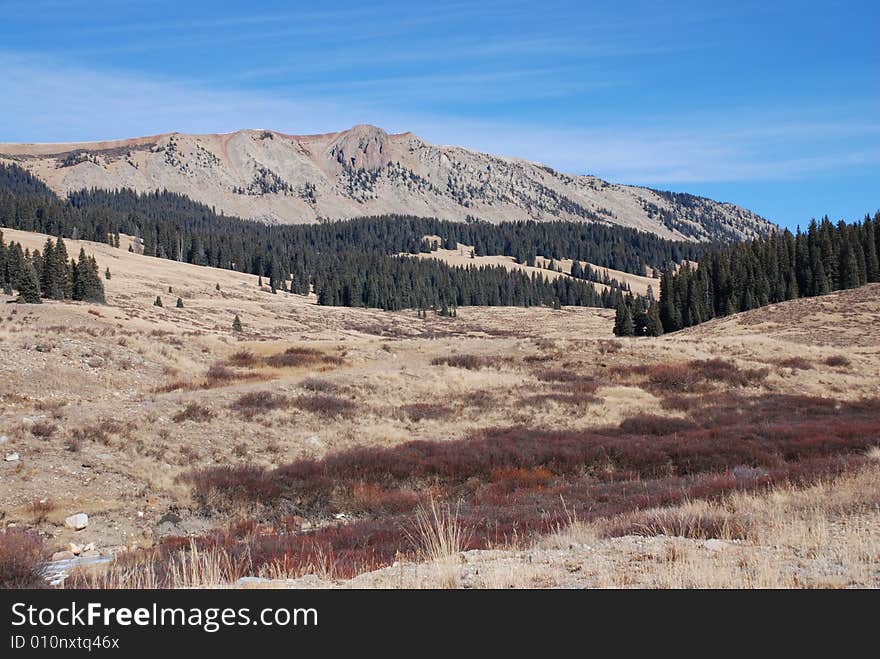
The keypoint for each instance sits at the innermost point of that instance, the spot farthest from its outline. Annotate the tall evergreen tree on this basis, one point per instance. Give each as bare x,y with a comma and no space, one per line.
28,284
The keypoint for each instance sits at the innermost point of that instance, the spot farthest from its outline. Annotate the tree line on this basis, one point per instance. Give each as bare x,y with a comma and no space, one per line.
783,266
49,274
324,256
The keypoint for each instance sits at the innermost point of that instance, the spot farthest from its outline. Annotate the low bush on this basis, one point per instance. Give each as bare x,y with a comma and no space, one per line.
469,362
421,411
43,429
253,403
795,363
242,359
837,361
319,386
194,412
649,424
514,483
562,375
219,485
219,373
370,498
325,405
22,559
694,376
297,357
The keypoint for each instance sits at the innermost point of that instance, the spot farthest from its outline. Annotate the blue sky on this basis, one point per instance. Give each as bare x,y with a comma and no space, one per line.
772,105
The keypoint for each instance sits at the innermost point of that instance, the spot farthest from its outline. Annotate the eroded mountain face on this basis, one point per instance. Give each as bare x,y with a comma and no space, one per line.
274,177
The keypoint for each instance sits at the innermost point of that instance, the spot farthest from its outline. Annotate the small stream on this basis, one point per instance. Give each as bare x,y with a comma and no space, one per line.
55,572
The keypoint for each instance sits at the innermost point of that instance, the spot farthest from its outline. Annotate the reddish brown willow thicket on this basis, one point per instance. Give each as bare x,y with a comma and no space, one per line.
517,482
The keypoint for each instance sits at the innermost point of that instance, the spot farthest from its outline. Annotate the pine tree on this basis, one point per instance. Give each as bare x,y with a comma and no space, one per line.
28,285
654,327
869,246
107,274
623,320
87,285
158,302
179,303
236,324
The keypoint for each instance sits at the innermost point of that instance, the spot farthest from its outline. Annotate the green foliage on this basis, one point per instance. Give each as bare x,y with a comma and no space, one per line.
236,324
158,302
28,284
49,274
168,225
86,282
783,266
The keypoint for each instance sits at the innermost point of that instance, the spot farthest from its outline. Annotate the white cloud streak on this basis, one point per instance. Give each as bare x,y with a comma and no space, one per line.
42,100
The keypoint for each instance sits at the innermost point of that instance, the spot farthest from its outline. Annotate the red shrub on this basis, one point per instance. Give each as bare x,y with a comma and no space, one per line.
421,411
194,412
297,356
22,557
253,403
325,406
796,363
242,359
648,424
239,483
470,362
373,499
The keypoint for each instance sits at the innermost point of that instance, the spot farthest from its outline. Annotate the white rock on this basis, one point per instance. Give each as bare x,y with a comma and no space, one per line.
74,548
77,522
91,553
62,556
11,457
3,439
715,545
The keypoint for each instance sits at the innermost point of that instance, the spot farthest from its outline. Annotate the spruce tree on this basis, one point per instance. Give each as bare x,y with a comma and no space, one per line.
87,285
179,303
623,320
236,324
654,327
158,302
28,285
107,274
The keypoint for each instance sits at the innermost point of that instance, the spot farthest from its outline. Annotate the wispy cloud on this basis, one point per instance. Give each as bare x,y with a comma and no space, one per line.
41,100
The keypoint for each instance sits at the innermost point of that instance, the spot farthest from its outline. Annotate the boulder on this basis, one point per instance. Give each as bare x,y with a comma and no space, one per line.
77,522
74,548
715,545
62,556
11,457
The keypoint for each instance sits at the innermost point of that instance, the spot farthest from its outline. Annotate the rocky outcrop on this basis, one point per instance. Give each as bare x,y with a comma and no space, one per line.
274,177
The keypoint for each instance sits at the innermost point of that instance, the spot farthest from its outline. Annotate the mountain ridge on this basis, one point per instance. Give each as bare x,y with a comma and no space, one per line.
280,178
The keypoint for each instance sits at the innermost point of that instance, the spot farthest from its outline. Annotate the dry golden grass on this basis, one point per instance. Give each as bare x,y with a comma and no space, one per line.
824,536
64,367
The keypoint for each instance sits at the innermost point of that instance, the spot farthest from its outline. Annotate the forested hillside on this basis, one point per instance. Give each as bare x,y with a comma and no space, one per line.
784,266
353,262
